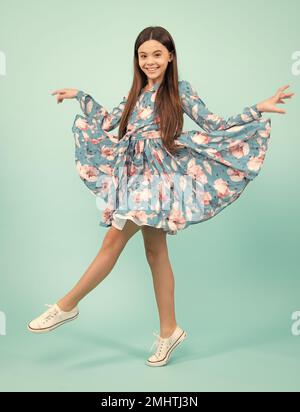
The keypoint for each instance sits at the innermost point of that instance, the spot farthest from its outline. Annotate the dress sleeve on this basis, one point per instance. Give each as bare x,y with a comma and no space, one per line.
196,109
93,110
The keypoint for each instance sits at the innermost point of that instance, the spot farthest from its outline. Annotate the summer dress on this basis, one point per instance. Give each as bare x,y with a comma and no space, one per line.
136,178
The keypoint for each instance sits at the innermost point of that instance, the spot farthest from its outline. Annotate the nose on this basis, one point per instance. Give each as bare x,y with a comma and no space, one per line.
150,63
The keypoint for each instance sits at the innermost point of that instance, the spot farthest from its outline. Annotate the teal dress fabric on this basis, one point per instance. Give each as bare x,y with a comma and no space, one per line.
137,178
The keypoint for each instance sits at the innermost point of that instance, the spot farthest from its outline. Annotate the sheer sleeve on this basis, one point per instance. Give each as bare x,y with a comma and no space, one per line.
94,110
196,109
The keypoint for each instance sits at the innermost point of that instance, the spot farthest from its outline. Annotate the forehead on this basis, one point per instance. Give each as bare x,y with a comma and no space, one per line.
151,46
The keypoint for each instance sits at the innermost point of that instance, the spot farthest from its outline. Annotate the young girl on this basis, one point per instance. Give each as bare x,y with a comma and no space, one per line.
210,167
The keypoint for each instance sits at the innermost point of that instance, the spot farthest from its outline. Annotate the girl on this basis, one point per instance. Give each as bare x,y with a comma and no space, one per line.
210,167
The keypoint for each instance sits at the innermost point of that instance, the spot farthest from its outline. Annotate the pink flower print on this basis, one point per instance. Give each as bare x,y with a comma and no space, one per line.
139,147
142,196
107,169
195,111
239,149
211,151
256,162
130,127
85,136
221,188
81,124
107,122
140,215
218,156
132,169
107,152
196,171
107,215
104,187
266,132
213,117
200,138
145,113
95,141
151,134
207,166
176,219
245,117
207,198
87,172
235,175
147,175
158,154
162,195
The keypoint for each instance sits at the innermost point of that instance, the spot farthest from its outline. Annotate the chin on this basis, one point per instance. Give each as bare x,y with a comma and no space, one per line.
153,76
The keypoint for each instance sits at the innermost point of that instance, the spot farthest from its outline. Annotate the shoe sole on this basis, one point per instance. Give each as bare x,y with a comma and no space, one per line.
166,359
52,327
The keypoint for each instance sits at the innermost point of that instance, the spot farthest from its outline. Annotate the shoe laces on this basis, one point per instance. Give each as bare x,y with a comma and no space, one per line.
158,342
50,313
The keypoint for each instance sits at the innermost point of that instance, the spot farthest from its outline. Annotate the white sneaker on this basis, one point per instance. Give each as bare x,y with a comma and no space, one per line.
52,318
165,346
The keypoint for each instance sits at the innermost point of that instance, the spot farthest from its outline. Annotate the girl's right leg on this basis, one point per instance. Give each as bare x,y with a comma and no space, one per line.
111,248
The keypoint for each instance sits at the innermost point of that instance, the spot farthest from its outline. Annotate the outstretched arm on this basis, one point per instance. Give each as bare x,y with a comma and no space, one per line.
92,109
196,109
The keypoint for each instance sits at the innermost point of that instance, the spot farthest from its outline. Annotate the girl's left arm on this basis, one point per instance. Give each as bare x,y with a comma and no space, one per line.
93,109
196,109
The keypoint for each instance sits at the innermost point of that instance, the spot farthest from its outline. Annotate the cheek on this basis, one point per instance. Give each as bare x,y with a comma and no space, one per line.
163,62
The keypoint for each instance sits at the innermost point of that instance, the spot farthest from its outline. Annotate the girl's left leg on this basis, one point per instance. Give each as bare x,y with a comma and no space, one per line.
163,279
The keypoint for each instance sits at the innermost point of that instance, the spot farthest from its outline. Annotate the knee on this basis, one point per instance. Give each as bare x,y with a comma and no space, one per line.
112,243
154,254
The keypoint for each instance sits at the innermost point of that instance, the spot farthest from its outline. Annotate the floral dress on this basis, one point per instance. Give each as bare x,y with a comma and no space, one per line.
137,178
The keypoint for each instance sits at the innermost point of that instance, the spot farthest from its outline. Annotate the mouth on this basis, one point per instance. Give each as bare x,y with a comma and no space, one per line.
152,70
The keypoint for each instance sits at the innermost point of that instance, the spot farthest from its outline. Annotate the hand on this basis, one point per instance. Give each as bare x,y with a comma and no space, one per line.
269,105
65,94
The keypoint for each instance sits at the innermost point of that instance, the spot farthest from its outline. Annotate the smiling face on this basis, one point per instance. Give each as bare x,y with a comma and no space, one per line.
154,58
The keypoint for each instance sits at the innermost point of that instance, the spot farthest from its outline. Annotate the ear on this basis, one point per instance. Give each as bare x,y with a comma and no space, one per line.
170,56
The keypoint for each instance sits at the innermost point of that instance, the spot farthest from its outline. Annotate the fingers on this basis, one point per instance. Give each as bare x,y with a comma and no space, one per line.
59,91
287,96
283,87
280,111
60,95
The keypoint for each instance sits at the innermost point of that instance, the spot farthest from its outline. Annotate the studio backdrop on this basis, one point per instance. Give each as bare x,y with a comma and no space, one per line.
236,276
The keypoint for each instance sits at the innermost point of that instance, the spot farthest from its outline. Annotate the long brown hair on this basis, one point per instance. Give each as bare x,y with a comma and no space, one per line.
168,109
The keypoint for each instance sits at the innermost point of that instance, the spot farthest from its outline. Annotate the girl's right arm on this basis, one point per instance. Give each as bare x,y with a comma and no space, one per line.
92,109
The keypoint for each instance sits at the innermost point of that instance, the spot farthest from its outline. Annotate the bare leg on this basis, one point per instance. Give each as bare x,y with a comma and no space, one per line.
163,280
111,248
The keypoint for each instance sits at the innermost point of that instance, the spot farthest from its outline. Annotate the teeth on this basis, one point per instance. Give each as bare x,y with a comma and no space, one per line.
152,70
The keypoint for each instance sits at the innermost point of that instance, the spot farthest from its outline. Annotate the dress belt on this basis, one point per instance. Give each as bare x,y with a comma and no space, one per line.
151,134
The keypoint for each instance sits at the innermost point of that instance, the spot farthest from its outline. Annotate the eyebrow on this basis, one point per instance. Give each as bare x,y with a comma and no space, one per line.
146,53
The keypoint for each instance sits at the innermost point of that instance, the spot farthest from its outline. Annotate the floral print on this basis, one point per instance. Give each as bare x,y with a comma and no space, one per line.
137,178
